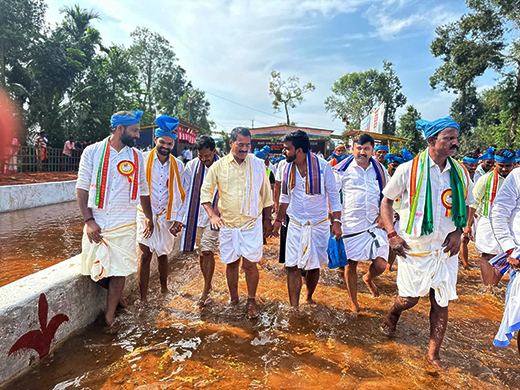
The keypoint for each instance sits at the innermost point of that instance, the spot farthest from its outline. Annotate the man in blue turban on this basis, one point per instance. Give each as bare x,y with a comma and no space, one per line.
111,184
434,191
393,161
487,162
381,151
164,175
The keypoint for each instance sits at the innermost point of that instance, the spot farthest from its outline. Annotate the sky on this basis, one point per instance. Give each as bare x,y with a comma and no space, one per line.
230,47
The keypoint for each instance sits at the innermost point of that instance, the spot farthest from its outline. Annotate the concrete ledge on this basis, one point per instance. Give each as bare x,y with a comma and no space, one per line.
67,292
26,196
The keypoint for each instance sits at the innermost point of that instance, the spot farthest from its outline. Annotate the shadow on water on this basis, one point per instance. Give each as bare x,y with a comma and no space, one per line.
171,343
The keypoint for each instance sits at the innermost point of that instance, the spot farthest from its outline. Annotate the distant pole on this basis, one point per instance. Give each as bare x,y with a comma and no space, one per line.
252,123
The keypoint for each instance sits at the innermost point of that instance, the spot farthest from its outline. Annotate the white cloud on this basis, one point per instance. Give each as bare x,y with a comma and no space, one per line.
436,106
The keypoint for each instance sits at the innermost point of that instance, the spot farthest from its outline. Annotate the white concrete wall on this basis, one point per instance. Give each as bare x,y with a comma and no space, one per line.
26,196
67,292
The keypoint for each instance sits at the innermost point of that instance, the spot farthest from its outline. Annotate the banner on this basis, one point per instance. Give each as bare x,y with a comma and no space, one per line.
377,119
365,124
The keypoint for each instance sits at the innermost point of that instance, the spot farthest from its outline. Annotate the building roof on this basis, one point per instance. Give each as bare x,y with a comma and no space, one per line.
376,136
279,130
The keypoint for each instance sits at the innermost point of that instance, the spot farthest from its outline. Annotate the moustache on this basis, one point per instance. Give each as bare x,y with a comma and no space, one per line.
362,155
242,151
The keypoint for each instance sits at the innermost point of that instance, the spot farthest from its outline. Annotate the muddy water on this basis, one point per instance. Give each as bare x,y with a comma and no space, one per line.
172,344
34,239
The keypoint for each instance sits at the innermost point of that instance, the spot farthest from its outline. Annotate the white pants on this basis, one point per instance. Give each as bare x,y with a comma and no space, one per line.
363,246
420,272
511,320
485,241
246,241
162,240
306,246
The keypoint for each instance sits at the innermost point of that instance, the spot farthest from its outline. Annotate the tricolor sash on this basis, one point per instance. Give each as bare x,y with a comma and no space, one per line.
312,180
492,185
190,230
174,180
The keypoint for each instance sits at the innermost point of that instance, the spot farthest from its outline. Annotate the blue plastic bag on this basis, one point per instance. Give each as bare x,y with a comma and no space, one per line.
336,252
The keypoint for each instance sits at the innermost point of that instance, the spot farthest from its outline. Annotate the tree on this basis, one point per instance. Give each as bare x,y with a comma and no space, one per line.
288,93
479,41
408,129
194,108
356,94
21,25
467,110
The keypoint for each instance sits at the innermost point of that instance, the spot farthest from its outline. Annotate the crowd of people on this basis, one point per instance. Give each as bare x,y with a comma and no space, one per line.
370,205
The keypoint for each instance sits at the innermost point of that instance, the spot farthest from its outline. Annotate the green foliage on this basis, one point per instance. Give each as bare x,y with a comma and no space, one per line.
407,129
467,110
194,108
287,94
356,94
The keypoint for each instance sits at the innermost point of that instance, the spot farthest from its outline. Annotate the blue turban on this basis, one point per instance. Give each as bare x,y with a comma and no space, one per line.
260,154
266,149
381,147
391,158
469,160
435,127
126,120
167,126
407,156
488,155
518,153
507,158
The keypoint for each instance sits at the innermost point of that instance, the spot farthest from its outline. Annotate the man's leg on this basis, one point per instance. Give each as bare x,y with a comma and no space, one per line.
391,260
490,276
400,304
312,278
207,266
464,252
162,265
294,285
143,270
252,277
377,267
351,280
232,280
115,292
438,325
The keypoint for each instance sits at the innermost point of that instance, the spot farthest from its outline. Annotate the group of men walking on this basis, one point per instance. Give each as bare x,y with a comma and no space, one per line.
135,204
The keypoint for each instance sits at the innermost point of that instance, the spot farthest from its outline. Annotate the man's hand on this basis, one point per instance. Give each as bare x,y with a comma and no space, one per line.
148,229
451,244
468,233
94,232
268,228
515,263
276,228
336,230
176,228
399,245
216,222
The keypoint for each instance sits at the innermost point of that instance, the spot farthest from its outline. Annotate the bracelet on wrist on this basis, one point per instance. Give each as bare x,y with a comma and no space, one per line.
392,234
338,221
89,219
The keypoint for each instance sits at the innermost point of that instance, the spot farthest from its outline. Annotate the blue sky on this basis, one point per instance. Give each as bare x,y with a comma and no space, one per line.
229,48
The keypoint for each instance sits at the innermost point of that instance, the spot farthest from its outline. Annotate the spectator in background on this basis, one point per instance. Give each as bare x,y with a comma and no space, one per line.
67,154
12,157
41,150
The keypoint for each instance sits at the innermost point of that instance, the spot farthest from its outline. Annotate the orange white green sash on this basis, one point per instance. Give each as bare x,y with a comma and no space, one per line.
492,186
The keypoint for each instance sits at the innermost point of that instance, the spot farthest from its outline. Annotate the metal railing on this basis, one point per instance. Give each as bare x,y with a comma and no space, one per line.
23,159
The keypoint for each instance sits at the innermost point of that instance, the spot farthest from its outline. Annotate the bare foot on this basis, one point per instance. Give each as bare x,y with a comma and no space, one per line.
311,301
252,308
389,268
371,286
388,327
121,304
164,290
355,308
436,363
234,301
204,298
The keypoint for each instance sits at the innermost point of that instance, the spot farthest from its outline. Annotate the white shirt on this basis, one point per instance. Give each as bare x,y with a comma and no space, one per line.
117,210
505,214
189,171
278,176
361,197
312,208
399,186
479,173
160,180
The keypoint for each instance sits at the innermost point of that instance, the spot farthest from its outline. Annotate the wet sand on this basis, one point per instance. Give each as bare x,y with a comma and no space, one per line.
172,344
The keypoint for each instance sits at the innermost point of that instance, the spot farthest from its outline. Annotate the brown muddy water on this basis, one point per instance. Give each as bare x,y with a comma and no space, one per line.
172,344
34,239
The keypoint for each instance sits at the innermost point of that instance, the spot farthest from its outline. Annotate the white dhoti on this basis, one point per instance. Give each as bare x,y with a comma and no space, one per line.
420,272
162,240
115,255
485,241
246,241
306,245
511,319
367,245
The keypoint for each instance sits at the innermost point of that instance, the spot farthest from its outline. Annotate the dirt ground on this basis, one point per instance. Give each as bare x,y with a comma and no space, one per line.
37,177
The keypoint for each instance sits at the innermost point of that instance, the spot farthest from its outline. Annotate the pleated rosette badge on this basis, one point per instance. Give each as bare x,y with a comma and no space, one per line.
126,168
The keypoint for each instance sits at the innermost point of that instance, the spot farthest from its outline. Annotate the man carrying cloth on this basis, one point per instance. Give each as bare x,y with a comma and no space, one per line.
361,180
111,182
164,176
244,195
308,186
434,191
196,221
484,192
470,162
505,220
